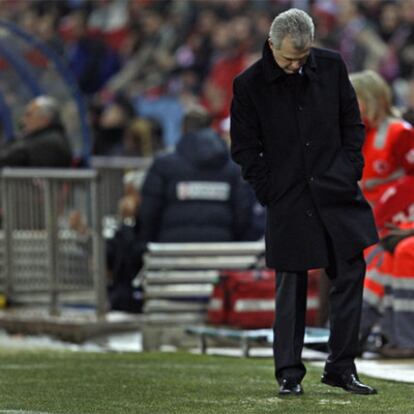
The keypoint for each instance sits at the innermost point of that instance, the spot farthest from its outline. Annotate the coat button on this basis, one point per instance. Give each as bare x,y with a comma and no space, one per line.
311,179
300,108
309,213
307,144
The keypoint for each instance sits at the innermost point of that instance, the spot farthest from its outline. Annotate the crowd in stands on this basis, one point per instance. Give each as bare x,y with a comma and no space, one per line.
161,55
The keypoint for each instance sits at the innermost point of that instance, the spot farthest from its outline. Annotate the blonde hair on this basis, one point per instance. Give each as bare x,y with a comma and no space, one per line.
375,94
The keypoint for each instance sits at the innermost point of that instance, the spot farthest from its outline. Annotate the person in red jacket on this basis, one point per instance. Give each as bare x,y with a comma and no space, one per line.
389,282
386,182
389,144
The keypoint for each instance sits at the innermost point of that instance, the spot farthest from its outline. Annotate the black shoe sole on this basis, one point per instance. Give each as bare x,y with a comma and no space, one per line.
333,384
289,394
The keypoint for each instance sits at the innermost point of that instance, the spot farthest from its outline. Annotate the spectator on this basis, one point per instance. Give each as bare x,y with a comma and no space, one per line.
406,39
44,142
124,250
109,20
142,138
233,42
92,61
150,63
47,31
111,126
355,38
195,194
389,145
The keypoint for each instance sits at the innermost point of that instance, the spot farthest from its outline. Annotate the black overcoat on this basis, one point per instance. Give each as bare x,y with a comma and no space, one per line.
298,139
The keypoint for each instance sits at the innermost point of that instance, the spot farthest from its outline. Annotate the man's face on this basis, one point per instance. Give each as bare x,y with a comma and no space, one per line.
288,57
33,119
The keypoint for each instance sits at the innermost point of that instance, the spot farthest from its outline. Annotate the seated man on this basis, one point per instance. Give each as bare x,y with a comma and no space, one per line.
43,143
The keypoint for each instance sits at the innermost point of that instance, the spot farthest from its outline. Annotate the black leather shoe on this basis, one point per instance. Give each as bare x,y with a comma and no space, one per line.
349,382
288,387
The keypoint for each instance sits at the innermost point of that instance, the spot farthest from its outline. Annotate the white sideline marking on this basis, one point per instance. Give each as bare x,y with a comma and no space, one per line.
337,402
26,366
22,412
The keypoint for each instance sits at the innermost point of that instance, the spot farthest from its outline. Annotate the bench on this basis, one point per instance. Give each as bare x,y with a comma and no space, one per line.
178,279
246,338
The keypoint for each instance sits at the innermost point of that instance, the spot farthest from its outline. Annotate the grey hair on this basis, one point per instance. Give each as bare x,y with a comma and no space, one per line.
48,107
294,23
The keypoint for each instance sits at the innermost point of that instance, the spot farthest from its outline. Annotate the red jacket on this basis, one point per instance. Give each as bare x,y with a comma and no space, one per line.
396,204
389,154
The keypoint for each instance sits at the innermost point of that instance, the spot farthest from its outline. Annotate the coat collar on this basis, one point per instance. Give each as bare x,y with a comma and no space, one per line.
273,71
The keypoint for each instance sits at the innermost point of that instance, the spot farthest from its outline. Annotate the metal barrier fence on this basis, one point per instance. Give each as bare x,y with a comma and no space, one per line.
111,172
51,243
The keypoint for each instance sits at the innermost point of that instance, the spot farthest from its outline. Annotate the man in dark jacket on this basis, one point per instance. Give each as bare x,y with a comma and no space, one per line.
195,194
297,134
44,143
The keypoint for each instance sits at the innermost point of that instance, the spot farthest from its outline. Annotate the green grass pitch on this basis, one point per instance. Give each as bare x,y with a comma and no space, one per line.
46,382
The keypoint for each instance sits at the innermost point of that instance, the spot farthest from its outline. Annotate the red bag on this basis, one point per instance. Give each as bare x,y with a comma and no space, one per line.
312,305
246,299
243,299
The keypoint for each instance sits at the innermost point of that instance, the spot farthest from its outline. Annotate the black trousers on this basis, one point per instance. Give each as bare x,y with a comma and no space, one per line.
345,303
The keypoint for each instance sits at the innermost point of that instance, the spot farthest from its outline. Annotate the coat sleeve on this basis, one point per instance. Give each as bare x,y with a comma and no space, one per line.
152,203
242,206
246,146
352,128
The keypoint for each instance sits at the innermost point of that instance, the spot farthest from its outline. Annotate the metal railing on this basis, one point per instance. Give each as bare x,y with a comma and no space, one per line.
51,243
111,171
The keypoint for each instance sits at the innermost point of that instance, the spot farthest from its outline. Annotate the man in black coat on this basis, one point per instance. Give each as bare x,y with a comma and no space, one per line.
195,193
44,143
296,131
